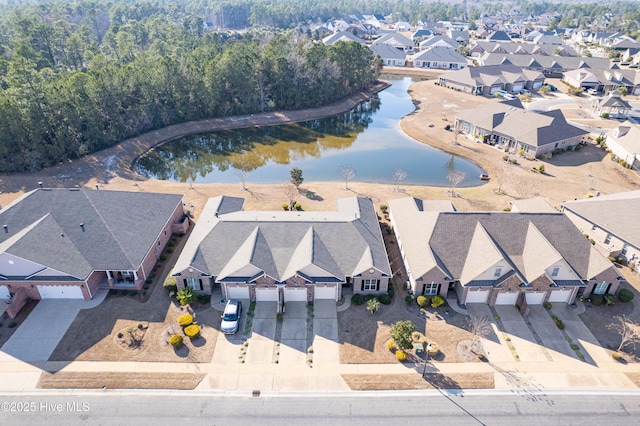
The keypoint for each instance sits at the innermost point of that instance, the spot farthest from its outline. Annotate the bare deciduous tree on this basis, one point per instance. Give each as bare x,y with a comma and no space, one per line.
291,192
347,172
480,327
455,177
398,176
505,176
456,133
629,331
242,175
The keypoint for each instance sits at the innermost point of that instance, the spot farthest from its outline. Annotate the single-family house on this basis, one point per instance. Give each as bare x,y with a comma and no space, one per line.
624,142
285,255
402,26
553,40
439,40
439,57
460,36
488,80
497,258
68,243
421,34
610,221
390,55
518,130
345,36
612,106
397,41
498,36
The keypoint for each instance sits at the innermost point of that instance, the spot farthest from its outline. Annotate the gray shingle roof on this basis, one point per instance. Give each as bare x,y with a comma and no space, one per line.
287,242
440,54
616,213
119,228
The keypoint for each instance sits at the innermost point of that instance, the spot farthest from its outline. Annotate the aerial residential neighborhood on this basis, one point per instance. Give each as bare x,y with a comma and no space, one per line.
285,206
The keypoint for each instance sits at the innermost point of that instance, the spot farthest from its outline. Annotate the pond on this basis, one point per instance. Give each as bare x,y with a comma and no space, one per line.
367,138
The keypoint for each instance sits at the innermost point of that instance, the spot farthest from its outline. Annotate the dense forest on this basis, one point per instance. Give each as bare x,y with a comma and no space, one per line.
79,76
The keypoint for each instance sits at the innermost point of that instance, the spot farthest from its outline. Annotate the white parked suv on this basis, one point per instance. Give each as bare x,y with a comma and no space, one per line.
231,317
592,91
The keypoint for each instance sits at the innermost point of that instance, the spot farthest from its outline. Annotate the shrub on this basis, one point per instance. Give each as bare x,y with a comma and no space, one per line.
12,324
163,257
610,299
175,340
169,249
385,299
401,355
605,115
203,298
357,299
390,345
560,324
391,291
547,305
383,208
192,331
285,207
632,266
170,282
625,295
423,301
401,334
185,320
373,305
185,296
409,299
541,169
279,316
171,243
616,355
418,337
597,299
297,206
437,301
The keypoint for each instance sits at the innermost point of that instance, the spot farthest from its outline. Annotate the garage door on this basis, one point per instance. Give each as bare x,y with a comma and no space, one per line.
478,296
60,292
517,87
493,90
4,292
507,298
535,298
326,292
537,85
560,296
295,294
266,294
237,292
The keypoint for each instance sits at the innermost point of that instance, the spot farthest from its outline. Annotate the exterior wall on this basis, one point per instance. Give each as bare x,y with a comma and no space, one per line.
563,274
610,276
31,287
93,282
461,292
561,144
489,274
382,288
620,151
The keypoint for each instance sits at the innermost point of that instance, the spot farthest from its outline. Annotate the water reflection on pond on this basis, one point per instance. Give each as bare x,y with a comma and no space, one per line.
368,138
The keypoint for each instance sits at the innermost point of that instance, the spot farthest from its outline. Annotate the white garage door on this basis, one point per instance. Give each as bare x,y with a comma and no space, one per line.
295,294
4,292
535,297
478,296
637,91
60,292
237,292
493,90
560,296
537,85
517,87
327,292
266,294
507,298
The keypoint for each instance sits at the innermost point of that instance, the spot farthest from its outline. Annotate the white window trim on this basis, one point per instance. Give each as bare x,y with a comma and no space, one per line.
600,288
194,283
555,271
369,284
431,289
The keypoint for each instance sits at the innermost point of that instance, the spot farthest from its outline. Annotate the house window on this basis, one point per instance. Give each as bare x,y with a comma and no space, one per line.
608,239
158,241
555,271
593,228
194,283
498,271
370,285
601,288
127,273
624,250
431,289
165,231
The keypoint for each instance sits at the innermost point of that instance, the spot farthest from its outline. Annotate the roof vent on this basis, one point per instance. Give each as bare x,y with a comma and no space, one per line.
6,229
82,226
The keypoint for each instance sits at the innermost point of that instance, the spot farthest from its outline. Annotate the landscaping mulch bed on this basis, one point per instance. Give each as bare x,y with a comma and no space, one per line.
123,380
416,381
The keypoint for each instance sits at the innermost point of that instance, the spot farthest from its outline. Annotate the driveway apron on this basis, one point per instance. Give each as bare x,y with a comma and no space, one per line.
263,334
495,347
326,350
524,343
293,340
552,338
40,333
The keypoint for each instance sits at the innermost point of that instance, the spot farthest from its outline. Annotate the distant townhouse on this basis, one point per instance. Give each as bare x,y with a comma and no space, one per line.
551,66
518,130
604,80
390,55
489,79
439,40
397,41
481,47
341,36
624,143
439,57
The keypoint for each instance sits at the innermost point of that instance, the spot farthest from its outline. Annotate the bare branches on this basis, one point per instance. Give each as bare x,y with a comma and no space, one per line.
455,177
480,327
347,172
291,192
398,176
628,331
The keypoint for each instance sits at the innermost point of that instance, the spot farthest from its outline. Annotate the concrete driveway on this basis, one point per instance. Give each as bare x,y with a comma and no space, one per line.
228,345
326,350
40,333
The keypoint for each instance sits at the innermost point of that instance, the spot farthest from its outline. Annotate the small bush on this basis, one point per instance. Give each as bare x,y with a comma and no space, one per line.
616,355
597,299
560,324
605,115
192,331
437,301
575,347
401,355
185,320
625,295
169,249
175,340
392,290
170,282
171,243
357,299
385,299
202,298
424,301
547,305
418,337
384,208
279,316
390,345
610,299
285,207
163,257
409,299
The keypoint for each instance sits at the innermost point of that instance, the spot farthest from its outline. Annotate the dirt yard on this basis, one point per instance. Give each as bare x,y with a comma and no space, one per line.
416,381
